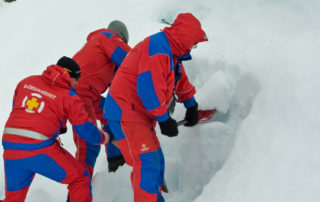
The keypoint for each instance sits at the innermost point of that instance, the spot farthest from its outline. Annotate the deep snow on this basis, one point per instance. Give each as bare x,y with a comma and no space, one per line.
260,67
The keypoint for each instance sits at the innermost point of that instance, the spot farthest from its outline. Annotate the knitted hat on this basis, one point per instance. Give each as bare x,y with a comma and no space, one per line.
71,66
119,28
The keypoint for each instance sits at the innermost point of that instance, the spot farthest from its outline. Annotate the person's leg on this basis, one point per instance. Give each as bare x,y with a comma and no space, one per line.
60,166
86,154
17,180
140,148
162,167
113,153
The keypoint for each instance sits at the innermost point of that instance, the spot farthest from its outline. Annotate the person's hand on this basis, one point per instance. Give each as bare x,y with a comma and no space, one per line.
106,136
192,116
63,130
115,162
169,127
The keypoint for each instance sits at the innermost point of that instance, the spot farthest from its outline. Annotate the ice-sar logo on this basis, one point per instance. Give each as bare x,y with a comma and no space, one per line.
33,103
144,147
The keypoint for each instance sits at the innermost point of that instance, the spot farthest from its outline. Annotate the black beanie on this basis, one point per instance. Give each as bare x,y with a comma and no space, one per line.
71,66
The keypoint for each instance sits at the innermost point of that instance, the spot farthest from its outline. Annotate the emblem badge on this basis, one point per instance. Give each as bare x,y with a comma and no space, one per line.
33,104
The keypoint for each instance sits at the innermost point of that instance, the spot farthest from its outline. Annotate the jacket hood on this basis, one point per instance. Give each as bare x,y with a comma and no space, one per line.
92,34
57,76
184,33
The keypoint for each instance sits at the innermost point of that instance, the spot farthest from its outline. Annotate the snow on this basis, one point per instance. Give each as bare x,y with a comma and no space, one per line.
259,69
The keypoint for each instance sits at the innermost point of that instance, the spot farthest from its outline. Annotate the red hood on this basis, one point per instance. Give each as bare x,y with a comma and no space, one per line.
184,33
98,31
56,75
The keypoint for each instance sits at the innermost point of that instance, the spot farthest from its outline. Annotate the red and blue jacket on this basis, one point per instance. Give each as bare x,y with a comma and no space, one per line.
99,59
152,72
41,104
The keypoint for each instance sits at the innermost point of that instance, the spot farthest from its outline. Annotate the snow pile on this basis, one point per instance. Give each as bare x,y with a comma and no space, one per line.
259,69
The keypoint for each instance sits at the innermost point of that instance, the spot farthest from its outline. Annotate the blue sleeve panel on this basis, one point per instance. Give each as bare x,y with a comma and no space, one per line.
113,151
162,118
89,132
107,129
146,91
118,56
92,152
116,129
112,110
101,105
189,102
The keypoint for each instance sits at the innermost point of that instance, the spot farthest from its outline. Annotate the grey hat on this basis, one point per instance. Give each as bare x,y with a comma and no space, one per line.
120,28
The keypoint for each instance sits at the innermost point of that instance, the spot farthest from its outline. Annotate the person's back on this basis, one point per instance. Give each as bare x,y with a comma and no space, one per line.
140,95
148,76
125,80
40,104
99,59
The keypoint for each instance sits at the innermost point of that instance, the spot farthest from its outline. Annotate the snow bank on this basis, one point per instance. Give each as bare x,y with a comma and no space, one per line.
259,69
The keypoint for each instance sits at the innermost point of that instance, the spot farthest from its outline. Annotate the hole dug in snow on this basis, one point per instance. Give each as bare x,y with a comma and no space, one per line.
193,158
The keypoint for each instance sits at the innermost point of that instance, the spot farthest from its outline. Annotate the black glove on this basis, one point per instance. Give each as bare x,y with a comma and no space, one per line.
192,116
63,130
169,127
115,162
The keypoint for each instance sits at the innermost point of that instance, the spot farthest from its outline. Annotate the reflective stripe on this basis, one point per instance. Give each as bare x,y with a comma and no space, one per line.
25,133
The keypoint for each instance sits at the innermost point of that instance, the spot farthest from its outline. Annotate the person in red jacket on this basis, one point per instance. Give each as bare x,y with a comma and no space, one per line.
140,95
99,60
41,104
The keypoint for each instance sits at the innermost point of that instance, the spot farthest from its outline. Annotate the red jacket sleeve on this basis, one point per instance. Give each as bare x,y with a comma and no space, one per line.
184,89
15,94
78,117
114,47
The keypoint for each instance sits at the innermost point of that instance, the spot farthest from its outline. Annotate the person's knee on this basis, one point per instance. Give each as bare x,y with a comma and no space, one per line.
17,196
150,171
81,185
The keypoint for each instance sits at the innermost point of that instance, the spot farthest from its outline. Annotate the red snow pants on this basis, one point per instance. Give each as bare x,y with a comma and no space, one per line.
141,149
53,162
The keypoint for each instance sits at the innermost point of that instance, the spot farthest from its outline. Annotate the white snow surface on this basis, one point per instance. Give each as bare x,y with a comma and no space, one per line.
260,69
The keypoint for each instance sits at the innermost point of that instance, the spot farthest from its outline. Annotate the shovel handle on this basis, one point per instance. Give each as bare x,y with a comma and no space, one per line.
182,122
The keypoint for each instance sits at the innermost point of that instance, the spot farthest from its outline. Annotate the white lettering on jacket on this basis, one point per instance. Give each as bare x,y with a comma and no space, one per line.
43,92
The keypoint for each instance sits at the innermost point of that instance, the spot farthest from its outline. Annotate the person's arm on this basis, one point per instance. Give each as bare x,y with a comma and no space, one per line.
15,94
98,107
85,128
185,92
63,127
114,47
